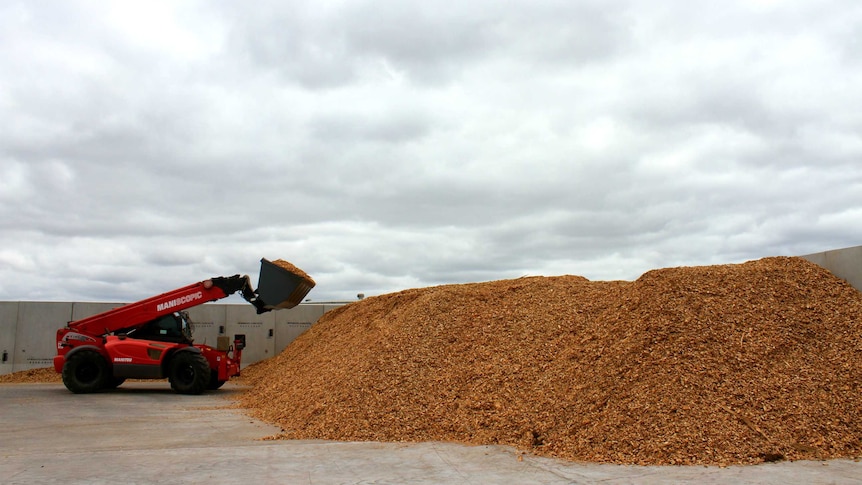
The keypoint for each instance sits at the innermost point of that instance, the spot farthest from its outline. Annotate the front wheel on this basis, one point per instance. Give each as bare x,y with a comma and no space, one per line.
189,373
85,371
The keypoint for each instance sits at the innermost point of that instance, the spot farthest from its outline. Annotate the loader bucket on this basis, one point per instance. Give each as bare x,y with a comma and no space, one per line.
282,285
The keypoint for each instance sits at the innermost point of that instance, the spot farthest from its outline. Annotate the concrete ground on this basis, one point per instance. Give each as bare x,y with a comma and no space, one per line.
144,433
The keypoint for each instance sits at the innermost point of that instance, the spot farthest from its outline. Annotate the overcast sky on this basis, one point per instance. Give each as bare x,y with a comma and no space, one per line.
398,144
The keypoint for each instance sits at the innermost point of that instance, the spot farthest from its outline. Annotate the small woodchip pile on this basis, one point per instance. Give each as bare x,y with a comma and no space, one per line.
722,365
42,374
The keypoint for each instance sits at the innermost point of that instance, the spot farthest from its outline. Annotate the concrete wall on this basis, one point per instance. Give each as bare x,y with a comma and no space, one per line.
28,329
8,327
844,263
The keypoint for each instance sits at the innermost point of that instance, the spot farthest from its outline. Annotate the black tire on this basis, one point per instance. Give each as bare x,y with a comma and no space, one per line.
115,382
189,373
214,383
85,371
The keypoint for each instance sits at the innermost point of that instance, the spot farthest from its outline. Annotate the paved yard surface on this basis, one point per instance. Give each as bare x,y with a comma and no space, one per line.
145,433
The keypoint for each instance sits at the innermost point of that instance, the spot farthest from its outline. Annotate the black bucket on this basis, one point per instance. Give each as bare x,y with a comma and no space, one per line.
278,288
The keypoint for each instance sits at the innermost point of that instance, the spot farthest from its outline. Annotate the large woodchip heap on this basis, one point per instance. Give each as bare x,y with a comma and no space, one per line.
718,365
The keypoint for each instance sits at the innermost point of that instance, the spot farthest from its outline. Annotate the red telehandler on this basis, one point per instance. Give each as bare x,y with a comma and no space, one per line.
151,339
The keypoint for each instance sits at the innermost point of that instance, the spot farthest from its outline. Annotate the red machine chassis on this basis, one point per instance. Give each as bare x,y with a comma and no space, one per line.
101,351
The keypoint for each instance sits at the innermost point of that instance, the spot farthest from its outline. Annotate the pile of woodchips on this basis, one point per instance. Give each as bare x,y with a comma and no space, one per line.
722,364
42,374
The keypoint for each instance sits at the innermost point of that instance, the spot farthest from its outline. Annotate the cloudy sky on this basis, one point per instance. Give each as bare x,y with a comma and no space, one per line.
397,144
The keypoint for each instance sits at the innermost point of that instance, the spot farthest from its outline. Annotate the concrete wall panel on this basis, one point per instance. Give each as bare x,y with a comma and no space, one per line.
8,326
207,321
35,336
843,263
291,323
87,309
332,306
259,331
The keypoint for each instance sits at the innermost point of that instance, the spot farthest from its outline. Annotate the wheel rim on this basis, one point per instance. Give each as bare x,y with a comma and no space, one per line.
186,374
87,373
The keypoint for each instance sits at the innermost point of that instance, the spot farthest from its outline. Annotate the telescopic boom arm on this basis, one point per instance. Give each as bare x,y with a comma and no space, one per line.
129,316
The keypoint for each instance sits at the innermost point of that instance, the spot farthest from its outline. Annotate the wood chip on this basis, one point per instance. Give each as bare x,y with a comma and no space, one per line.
42,374
725,364
713,365
292,268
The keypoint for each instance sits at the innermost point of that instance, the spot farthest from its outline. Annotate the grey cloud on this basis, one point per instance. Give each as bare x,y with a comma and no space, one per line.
322,48
387,145
396,128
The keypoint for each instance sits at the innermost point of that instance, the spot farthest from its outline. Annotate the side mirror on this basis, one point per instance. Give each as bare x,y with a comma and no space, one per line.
239,341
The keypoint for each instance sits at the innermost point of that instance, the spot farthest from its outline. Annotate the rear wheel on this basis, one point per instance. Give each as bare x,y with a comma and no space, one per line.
189,373
214,383
85,371
115,382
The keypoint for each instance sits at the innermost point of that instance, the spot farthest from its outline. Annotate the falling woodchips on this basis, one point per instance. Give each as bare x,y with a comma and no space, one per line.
725,364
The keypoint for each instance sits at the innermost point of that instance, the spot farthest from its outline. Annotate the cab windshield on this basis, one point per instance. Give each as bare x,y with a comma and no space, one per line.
175,327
